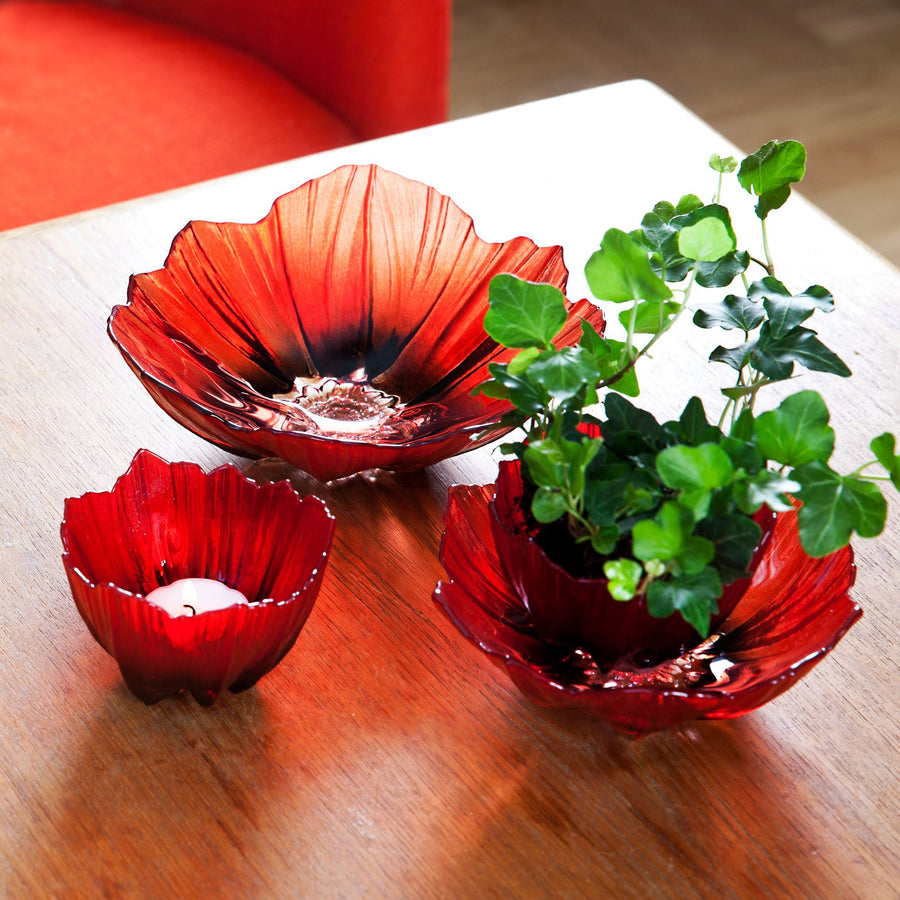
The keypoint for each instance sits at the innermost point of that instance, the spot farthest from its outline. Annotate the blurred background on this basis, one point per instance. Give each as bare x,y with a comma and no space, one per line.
825,72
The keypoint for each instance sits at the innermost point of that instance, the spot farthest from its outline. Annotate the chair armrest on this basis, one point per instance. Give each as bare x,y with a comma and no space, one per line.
381,65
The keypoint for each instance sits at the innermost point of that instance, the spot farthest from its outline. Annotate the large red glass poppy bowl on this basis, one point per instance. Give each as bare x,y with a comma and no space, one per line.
639,680
162,523
342,332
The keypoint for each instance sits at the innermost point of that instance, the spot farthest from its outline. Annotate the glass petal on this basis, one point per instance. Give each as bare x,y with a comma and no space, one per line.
571,610
164,522
361,274
793,613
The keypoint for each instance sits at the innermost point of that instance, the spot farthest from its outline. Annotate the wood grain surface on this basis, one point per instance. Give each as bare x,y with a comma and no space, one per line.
826,72
386,757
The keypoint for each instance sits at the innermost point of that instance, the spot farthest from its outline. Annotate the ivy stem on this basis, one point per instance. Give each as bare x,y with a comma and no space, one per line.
629,346
632,322
871,462
769,265
725,409
573,513
686,294
648,579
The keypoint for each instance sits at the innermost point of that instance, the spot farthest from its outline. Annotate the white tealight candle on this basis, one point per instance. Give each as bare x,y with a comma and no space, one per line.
192,596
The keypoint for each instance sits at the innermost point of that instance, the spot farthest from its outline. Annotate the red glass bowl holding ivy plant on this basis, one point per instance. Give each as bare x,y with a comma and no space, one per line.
658,572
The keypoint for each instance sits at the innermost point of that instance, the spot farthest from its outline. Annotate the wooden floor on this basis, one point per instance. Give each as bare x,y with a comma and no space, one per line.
826,73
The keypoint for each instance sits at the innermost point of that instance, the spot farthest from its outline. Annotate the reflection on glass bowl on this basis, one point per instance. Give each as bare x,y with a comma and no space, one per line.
792,614
165,523
342,332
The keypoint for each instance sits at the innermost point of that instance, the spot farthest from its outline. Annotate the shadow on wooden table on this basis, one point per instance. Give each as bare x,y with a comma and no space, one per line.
188,803
386,757
585,807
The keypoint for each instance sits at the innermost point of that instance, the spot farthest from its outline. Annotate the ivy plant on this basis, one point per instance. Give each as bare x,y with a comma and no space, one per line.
666,509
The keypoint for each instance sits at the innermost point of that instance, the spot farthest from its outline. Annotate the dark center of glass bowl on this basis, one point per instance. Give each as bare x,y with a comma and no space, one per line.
702,666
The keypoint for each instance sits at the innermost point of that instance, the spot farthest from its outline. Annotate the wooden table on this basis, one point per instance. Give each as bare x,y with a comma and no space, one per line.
386,757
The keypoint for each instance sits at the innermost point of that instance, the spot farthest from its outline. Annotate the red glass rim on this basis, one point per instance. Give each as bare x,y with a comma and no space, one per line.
359,274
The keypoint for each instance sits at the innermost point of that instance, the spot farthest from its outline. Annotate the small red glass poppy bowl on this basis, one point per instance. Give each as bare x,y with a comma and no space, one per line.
342,332
566,643
171,524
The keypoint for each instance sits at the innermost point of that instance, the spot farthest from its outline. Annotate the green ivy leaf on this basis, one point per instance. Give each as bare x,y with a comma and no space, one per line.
560,464
698,501
708,240
640,499
664,537
546,464
607,498
742,429
668,263
563,373
614,363
664,210
493,389
623,417
525,394
611,358
655,226
834,506
694,596
693,427
798,345
697,552
765,487
883,447
709,237
721,164
650,318
777,366
655,233
624,576
593,341
685,468
522,313
735,538
736,357
785,310
774,199
522,360
517,447
708,246
548,505
659,233
771,171
667,537
605,538
620,271
721,272
732,312
687,204
627,384
797,432
742,452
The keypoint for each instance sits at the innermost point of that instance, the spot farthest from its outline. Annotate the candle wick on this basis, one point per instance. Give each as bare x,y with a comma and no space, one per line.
191,608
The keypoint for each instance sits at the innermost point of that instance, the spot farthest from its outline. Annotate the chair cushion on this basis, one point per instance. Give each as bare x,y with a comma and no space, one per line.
98,106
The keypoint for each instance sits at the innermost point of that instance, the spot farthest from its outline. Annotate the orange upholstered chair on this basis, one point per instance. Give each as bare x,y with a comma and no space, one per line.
108,100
